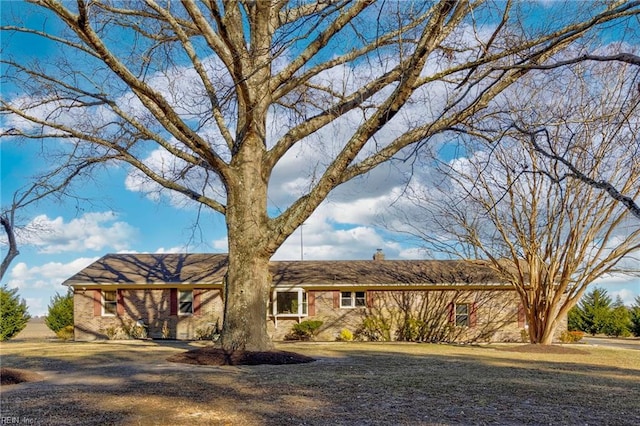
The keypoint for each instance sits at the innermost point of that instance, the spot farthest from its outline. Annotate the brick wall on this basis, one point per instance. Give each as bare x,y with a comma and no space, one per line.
152,306
495,315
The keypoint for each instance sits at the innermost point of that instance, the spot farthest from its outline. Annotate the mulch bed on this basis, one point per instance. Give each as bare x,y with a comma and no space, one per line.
13,376
545,349
217,356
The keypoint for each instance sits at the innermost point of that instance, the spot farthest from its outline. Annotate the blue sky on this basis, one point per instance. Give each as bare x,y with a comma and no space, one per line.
117,215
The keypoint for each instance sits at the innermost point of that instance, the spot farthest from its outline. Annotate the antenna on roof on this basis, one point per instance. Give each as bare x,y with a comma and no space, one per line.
301,244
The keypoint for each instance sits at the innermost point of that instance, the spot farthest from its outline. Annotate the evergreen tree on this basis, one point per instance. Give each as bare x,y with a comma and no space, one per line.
13,313
574,319
618,322
60,313
635,317
594,310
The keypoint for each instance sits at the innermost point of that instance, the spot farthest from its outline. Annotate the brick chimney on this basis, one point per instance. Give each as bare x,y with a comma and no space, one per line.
378,255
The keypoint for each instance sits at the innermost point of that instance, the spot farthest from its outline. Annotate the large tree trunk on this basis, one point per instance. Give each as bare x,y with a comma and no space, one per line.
248,280
246,297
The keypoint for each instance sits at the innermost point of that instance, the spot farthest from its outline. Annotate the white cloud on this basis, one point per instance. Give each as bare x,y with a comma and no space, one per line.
175,249
91,231
47,276
38,284
37,306
625,286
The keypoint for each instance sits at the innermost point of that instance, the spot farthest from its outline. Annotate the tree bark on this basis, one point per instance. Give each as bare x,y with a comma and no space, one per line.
12,251
248,280
247,289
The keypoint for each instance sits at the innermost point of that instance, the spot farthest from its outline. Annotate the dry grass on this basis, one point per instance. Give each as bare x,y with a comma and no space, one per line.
129,383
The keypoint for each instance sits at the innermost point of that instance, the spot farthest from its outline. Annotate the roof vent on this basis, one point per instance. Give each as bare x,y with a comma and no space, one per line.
378,255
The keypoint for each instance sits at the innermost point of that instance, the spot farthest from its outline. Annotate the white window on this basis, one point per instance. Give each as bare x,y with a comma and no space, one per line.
109,302
353,299
290,303
185,302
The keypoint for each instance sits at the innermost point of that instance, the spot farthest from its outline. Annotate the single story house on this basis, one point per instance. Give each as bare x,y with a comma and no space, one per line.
180,296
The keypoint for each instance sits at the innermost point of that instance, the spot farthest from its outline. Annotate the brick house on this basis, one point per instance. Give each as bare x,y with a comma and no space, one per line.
180,296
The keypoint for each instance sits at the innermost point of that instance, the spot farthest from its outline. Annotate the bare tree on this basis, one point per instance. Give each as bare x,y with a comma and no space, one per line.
53,183
516,198
199,82
620,102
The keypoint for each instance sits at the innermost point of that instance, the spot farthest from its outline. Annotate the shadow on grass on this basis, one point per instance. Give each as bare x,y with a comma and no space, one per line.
127,385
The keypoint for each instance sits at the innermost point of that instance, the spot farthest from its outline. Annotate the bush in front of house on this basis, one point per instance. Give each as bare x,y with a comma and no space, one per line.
13,313
59,318
345,335
305,330
374,328
210,331
571,336
65,333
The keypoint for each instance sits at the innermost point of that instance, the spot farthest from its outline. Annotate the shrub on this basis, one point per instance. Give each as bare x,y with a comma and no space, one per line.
374,328
165,331
571,336
305,330
60,314
112,332
635,317
345,335
134,329
13,313
410,329
65,333
209,332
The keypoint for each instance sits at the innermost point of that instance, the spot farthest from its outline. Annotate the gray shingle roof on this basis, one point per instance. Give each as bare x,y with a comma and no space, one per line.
153,269
149,269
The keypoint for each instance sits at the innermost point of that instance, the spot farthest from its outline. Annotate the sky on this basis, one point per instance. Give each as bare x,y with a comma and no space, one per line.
117,213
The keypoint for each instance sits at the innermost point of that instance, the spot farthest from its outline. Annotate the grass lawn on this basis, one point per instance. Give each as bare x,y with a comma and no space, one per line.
131,383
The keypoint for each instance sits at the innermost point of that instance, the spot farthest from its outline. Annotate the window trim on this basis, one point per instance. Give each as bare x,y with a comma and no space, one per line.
467,322
180,293
104,301
353,299
303,302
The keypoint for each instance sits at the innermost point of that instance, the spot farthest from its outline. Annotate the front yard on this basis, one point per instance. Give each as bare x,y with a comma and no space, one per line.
125,383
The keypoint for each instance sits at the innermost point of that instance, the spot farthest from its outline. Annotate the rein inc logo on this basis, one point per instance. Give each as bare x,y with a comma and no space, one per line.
8,420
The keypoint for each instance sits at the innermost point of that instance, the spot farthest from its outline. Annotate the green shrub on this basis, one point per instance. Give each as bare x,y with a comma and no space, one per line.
409,329
571,336
306,330
374,328
13,313
65,333
635,317
345,335
60,313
